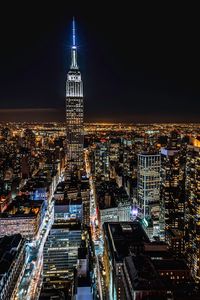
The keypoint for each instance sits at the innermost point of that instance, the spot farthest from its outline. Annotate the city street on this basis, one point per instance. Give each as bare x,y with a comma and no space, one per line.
29,287
30,282
95,228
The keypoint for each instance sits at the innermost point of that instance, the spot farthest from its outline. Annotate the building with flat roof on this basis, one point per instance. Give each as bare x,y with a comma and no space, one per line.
68,209
120,213
137,268
172,270
114,203
83,290
22,216
140,279
73,200
60,255
121,239
12,260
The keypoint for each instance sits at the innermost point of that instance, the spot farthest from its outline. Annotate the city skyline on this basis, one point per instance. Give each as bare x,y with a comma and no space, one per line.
107,206
133,70
96,231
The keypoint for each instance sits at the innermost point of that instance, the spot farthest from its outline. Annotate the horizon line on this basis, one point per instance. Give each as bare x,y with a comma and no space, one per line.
56,114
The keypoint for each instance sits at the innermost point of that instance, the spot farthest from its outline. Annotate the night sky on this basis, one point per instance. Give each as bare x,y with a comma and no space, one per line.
139,64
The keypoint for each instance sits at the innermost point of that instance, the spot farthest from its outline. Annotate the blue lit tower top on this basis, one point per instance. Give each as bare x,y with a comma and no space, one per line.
74,65
74,85
74,32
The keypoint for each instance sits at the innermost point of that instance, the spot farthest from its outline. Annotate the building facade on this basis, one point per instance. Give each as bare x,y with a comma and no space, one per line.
192,211
120,239
12,261
25,220
137,268
60,255
101,160
149,187
121,213
74,112
172,192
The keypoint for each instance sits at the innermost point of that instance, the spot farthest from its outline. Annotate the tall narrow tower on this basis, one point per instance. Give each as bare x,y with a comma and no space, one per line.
149,188
74,111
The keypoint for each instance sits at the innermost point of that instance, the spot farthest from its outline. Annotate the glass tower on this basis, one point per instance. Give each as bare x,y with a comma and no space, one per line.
149,187
74,111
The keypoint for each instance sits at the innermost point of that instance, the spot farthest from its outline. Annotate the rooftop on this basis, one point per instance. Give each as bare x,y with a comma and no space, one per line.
36,183
171,264
73,186
66,201
142,273
66,225
22,206
110,189
124,238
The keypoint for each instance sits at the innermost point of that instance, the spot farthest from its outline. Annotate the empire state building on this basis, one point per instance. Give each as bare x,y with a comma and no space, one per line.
74,111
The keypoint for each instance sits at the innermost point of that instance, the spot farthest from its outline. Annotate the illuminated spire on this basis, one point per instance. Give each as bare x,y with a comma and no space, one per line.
74,48
74,32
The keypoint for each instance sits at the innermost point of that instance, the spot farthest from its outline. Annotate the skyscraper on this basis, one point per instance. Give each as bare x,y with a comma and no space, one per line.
74,111
172,187
192,210
149,187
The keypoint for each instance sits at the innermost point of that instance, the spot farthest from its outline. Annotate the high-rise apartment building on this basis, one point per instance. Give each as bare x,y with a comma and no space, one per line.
172,189
74,112
192,210
149,187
